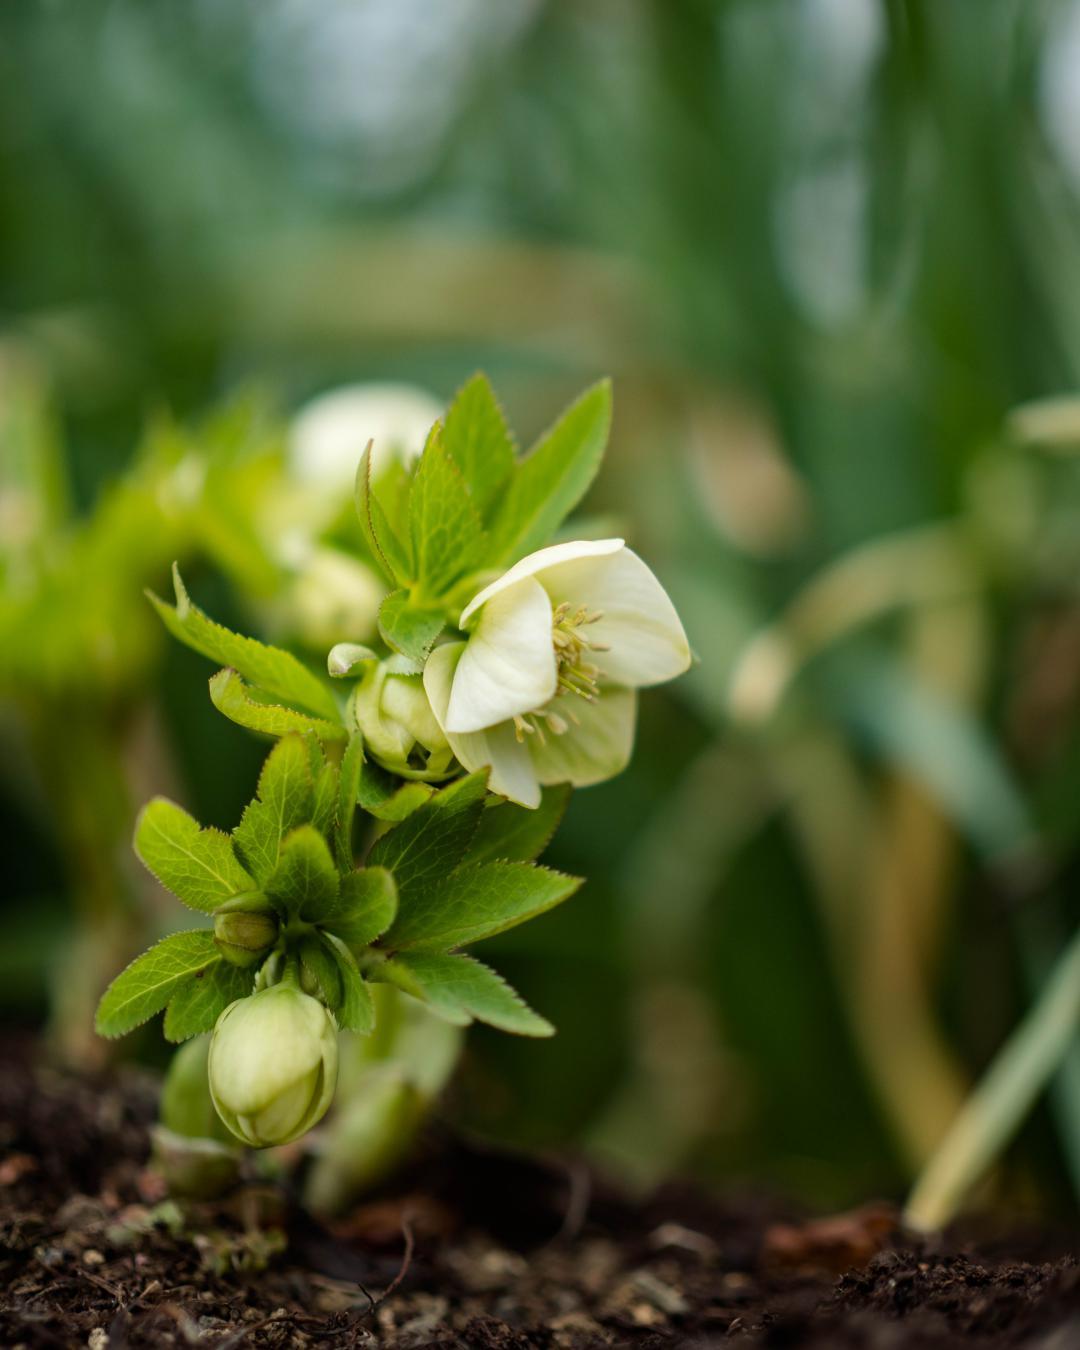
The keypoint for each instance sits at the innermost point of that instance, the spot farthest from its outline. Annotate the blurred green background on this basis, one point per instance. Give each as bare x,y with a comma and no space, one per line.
824,247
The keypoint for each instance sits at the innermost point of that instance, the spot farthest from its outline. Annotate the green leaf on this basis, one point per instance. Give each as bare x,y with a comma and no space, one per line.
478,440
197,865
447,536
432,841
200,999
242,705
352,766
460,988
366,906
305,879
321,962
409,629
284,801
386,797
477,902
324,811
277,672
514,834
357,1011
389,550
144,987
553,477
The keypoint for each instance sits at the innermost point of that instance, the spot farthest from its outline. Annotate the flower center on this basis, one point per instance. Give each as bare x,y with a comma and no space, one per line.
574,672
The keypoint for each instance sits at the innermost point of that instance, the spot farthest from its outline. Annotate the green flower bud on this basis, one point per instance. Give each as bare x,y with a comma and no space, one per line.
273,1065
391,708
243,938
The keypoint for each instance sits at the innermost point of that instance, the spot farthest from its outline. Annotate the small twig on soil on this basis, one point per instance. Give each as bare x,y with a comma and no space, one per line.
406,1262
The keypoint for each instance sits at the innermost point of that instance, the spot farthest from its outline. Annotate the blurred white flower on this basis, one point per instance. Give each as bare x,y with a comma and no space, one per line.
542,689
328,435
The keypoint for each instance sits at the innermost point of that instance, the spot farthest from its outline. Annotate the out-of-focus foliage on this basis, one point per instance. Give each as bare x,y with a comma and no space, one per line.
825,247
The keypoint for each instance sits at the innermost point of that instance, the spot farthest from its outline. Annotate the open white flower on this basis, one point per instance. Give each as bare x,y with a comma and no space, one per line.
542,690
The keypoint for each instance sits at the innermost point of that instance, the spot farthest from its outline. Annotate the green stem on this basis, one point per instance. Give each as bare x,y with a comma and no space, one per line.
995,1109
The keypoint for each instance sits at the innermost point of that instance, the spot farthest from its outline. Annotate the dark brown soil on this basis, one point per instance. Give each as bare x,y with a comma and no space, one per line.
503,1253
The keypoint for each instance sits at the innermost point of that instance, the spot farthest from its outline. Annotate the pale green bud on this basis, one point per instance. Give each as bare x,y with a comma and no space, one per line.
273,1065
391,709
243,938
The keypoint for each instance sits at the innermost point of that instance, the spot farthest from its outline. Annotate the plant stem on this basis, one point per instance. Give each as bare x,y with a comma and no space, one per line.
994,1110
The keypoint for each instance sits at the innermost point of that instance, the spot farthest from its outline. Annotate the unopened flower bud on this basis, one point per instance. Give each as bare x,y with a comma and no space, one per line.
243,938
391,708
273,1065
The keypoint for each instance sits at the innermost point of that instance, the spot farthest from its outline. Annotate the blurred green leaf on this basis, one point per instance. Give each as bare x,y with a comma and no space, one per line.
478,440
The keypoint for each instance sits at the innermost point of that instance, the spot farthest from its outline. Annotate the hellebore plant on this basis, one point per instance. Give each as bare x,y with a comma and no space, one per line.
399,815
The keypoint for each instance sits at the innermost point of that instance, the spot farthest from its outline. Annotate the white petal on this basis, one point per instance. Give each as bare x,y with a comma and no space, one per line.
596,748
646,640
508,666
538,562
498,748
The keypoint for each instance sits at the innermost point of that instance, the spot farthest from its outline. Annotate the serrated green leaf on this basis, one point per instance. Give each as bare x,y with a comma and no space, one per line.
460,988
145,986
197,865
367,905
476,902
231,696
305,880
550,481
324,811
478,440
389,549
277,672
514,834
384,796
200,999
352,765
447,535
409,629
357,1011
433,839
322,964
283,801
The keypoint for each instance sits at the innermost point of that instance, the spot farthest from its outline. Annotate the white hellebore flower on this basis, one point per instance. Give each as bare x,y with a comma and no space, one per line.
328,435
273,1065
542,691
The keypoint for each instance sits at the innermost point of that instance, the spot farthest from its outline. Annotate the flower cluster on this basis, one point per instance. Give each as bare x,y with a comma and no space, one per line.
399,816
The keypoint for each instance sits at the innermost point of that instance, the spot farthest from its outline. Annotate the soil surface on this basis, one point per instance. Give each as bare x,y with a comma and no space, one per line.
472,1249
